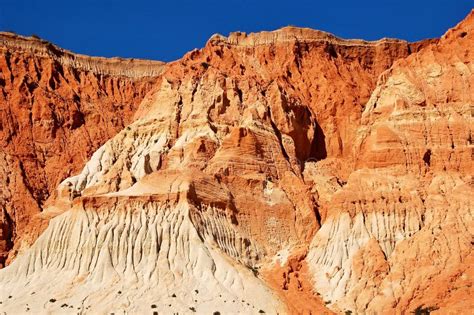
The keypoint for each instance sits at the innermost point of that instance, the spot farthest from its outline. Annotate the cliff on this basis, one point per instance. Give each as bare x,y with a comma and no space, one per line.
278,172
56,109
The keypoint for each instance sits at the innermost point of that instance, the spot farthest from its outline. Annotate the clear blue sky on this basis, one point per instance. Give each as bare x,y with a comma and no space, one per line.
165,30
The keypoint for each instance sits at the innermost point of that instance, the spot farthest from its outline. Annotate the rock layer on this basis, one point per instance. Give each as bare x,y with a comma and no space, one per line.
404,220
56,109
132,254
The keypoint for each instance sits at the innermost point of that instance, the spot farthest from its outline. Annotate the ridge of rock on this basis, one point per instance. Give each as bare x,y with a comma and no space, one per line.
115,66
291,34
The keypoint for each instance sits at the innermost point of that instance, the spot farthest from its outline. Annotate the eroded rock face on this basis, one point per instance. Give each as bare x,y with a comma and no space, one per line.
56,109
286,171
408,202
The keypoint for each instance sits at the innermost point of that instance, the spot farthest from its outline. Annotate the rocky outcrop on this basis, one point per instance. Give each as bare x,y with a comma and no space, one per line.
403,219
131,68
56,109
287,171
381,252
134,252
417,116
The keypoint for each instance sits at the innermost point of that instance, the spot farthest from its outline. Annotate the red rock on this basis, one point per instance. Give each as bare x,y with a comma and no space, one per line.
291,171
56,109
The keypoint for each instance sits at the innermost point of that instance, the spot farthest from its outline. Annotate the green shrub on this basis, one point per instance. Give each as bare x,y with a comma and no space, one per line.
420,310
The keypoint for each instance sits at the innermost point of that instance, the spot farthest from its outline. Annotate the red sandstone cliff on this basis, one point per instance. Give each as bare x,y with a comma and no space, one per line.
56,109
286,171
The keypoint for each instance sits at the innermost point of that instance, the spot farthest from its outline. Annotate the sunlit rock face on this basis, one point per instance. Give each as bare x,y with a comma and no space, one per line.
399,232
278,172
56,109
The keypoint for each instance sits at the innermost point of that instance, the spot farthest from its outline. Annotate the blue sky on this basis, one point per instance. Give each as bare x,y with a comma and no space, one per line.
165,30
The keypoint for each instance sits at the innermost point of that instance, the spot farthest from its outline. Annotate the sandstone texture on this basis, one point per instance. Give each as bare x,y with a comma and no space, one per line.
278,172
56,109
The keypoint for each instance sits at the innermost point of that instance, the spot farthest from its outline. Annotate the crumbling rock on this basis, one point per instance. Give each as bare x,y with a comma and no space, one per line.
287,171
56,109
